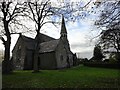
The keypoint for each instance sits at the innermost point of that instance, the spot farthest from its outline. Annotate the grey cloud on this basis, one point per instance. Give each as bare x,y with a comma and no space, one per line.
87,54
80,45
86,50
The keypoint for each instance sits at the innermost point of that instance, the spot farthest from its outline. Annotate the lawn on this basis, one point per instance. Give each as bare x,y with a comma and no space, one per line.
76,77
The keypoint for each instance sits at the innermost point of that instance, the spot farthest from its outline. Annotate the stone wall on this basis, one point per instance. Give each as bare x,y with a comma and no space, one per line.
18,54
47,60
28,62
61,56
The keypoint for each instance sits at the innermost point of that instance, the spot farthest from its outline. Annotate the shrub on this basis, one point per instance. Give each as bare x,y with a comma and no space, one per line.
113,58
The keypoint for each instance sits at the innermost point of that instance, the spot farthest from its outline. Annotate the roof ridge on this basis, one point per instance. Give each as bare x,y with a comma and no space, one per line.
47,35
50,41
25,37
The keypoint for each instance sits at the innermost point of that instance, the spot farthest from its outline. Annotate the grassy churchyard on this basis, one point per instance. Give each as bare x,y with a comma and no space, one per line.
76,77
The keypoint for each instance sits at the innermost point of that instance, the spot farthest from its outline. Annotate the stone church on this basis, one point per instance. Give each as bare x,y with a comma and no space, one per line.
53,53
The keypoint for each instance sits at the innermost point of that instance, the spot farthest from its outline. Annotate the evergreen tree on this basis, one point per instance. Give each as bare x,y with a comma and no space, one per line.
97,54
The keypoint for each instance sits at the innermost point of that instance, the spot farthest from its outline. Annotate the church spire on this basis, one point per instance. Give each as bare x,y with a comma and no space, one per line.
63,27
63,36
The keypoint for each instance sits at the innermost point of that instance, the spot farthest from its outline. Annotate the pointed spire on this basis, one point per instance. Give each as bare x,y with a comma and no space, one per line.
63,27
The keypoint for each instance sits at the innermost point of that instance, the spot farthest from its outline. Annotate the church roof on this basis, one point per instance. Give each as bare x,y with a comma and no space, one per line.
63,27
30,42
27,39
48,46
45,38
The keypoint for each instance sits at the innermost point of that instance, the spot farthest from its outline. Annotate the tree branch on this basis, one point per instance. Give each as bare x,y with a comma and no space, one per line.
29,3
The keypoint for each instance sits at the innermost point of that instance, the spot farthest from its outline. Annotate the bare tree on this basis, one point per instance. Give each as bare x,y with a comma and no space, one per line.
39,11
110,19
111,39
9,11
110,13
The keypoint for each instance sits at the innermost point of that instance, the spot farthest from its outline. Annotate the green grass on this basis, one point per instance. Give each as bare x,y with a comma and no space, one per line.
76,77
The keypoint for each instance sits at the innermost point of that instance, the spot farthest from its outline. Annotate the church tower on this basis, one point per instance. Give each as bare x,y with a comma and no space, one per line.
63,34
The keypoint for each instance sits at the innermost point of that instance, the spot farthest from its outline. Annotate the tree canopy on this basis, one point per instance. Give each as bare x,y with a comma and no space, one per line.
109,19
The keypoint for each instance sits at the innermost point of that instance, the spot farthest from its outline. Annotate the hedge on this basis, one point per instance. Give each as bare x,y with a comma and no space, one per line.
102,65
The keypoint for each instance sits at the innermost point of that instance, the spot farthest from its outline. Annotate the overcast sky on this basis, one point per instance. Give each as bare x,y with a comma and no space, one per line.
79,36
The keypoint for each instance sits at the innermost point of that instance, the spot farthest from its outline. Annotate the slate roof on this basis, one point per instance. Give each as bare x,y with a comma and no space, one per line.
48,46
45,38
27,39
30,42
48,43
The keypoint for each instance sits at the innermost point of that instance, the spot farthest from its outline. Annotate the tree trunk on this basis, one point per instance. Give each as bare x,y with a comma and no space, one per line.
37,48
6,64
36,54
35,65
7,49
